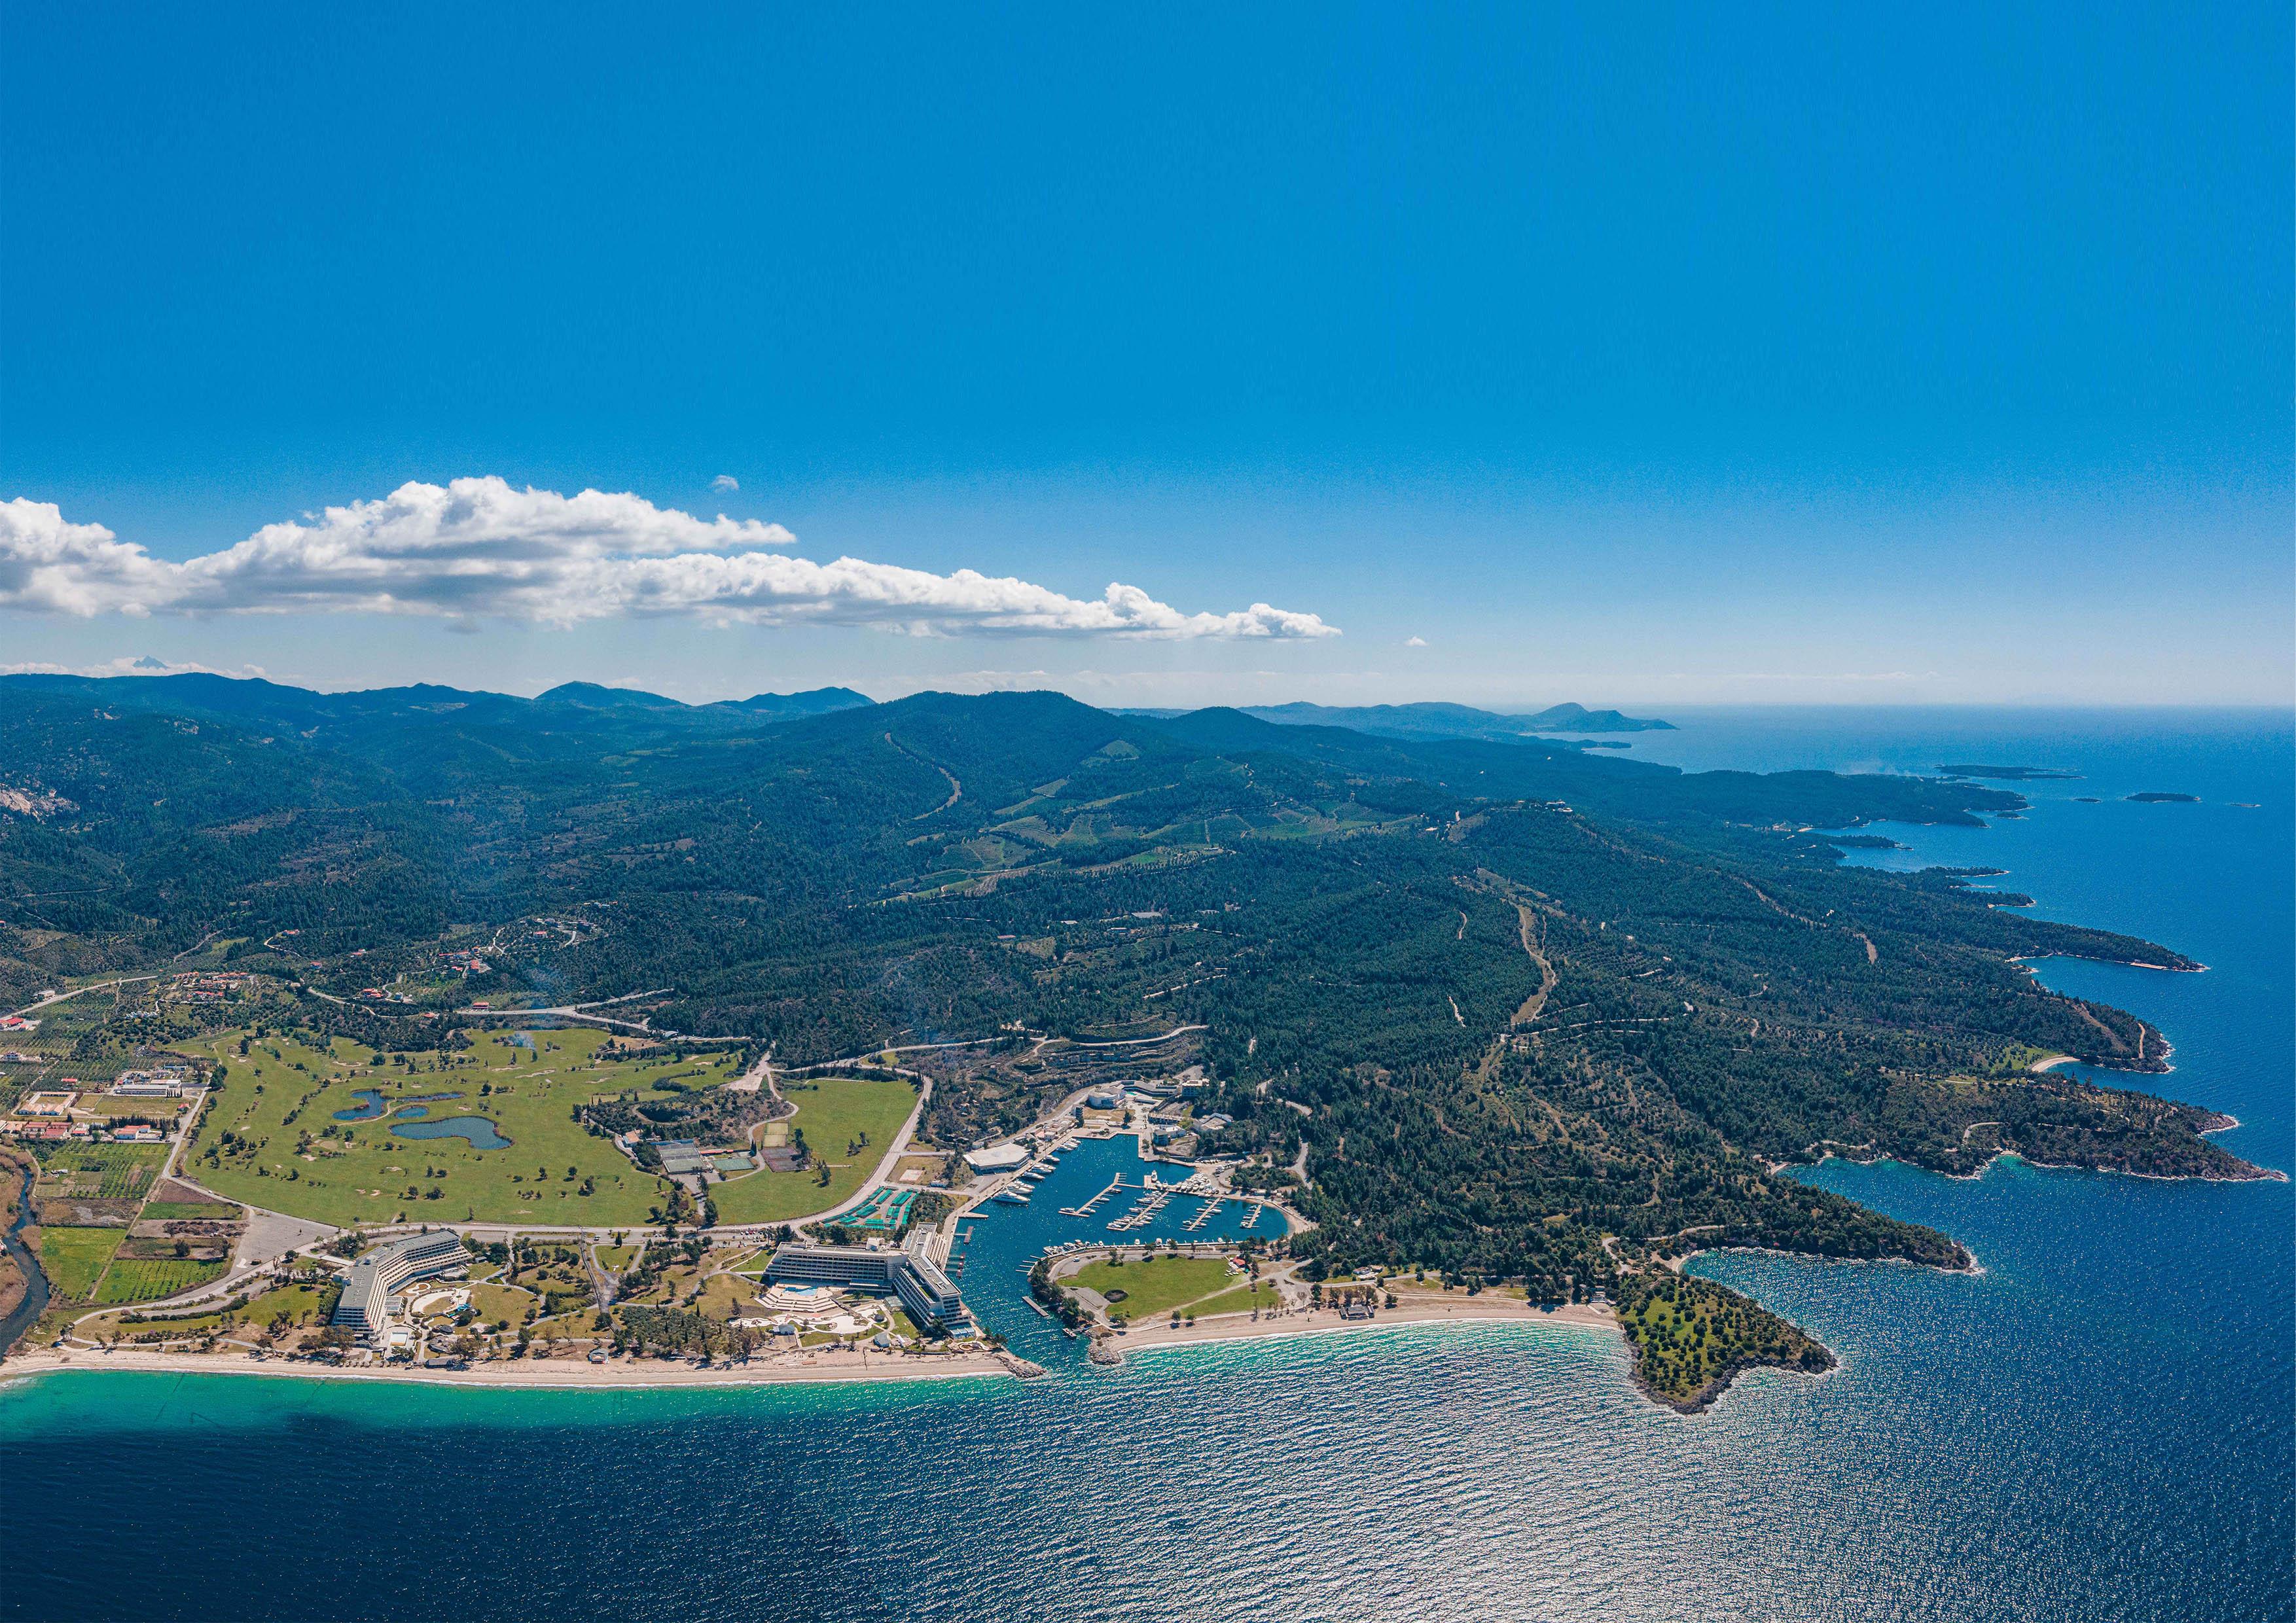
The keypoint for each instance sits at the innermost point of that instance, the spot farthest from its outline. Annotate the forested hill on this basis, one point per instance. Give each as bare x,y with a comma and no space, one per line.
604,715
1444,720
1509,1005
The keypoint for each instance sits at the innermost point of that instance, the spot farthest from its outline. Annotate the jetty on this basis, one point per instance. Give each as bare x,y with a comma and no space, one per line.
1154,1196
1203,1217
1093,1204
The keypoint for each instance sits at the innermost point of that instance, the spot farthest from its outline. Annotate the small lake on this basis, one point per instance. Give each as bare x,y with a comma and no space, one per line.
482,1134
372,1104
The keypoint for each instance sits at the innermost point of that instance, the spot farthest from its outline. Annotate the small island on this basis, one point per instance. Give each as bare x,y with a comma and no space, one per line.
2154,796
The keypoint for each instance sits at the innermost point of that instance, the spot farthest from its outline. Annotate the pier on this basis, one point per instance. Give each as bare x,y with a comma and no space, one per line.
1154,1197
1093,1204
1210,1207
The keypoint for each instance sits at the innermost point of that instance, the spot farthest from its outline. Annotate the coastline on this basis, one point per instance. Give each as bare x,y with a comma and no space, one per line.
1328,1321
552,1375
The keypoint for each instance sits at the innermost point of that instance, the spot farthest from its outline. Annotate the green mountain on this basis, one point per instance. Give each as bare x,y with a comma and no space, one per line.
1430,721
1514,1009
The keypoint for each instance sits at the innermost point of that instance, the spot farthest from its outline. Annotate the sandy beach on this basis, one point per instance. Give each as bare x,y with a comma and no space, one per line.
545,1374
1487,1308
535,1374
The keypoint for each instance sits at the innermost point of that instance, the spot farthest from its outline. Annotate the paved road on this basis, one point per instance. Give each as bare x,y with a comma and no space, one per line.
100,986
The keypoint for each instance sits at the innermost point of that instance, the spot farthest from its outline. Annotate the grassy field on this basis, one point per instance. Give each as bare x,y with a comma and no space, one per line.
148,1281
832,1113
1243,1299
724,1296
1156,1286
302,1305
345,1173
499,1303
73,1259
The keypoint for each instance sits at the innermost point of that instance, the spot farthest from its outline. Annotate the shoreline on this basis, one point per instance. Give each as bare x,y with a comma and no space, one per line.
551,1375
2259,1175
1328,1321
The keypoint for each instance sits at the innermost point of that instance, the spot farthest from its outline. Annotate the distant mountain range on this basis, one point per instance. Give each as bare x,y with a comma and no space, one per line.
1441,720
574,709
599,713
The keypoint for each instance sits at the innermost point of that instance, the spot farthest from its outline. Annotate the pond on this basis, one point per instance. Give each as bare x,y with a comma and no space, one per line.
482,1134
372,1104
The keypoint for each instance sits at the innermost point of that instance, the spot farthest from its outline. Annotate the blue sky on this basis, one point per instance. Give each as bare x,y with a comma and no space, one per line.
1509,355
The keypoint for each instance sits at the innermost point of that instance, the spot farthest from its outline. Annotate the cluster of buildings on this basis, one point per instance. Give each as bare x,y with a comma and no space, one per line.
467,963
147,1085
211,987
370,1289
906,1272
56,1115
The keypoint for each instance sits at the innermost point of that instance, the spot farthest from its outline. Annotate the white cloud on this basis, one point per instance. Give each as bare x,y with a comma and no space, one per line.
724,484
477,547
1416,641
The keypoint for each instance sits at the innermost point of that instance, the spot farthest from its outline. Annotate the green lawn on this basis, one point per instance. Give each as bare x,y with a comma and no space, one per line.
148,1281
832,1112
497,1303
280,1090
73,1259
1156,1286
1243,1299
301,1303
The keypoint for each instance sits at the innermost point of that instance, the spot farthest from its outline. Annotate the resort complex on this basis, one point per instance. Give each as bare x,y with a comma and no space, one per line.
905,1272
368,1299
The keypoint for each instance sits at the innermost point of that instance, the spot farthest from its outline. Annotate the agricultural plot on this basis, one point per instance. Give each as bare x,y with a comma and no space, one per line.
149,1281
108,1172
73,1259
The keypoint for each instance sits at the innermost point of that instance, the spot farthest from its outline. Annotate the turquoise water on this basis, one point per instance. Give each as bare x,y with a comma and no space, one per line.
2095,1427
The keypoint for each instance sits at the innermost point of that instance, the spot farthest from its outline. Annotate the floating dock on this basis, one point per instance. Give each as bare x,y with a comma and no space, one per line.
1093,1204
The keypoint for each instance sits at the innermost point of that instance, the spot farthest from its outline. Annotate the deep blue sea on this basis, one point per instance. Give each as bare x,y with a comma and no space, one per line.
2101,1424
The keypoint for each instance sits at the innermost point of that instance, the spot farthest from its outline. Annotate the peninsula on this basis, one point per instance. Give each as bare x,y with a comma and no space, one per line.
631,995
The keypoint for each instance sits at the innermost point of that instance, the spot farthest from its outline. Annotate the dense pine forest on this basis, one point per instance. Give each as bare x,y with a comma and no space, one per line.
1500,1005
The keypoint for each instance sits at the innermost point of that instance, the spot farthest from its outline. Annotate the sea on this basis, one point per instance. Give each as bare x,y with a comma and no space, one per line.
2099,1424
